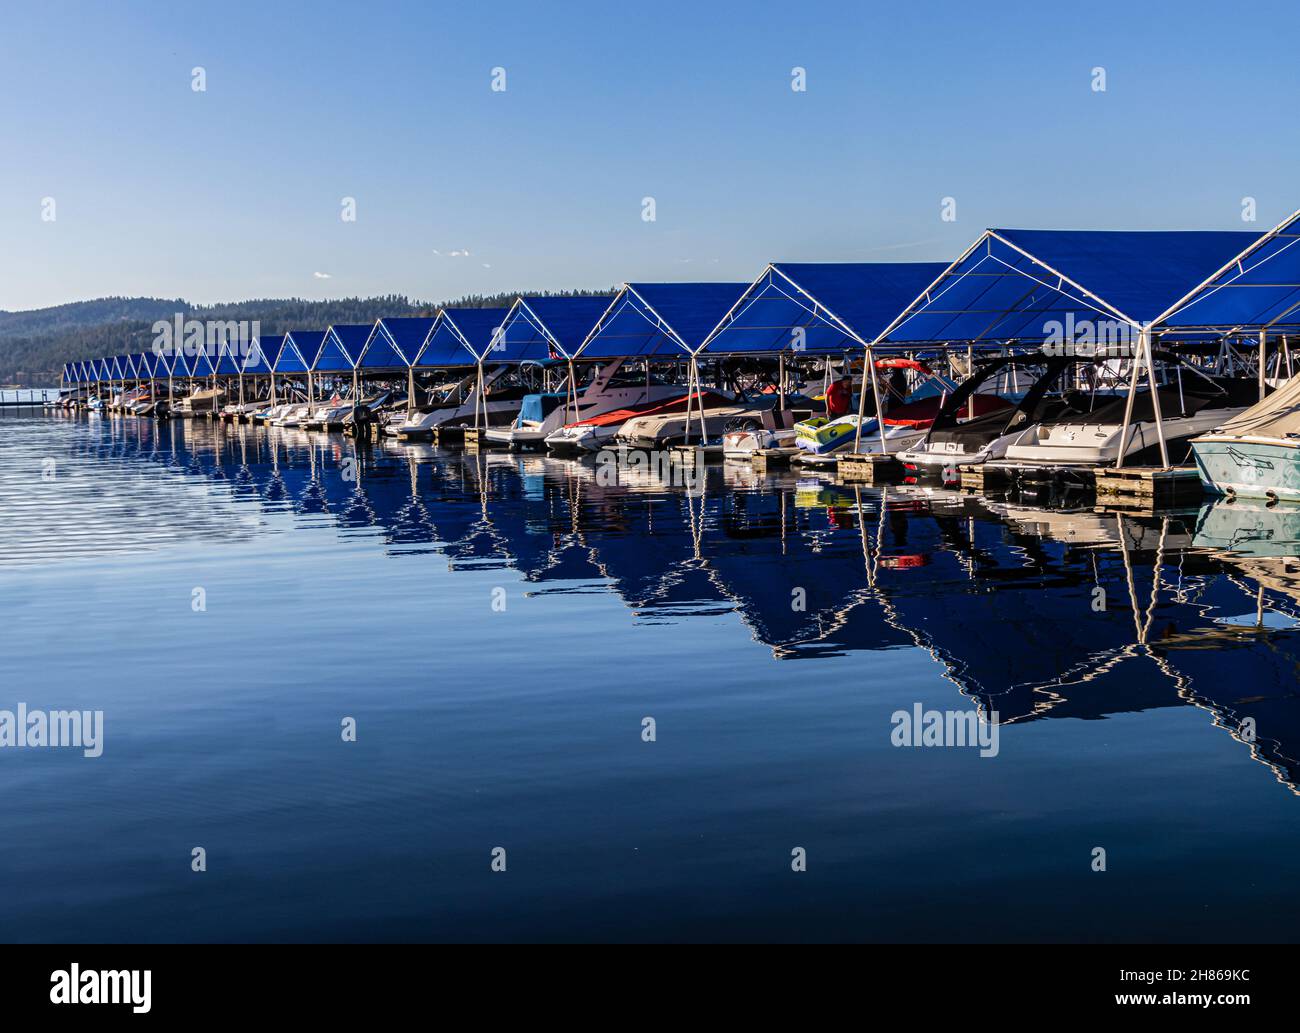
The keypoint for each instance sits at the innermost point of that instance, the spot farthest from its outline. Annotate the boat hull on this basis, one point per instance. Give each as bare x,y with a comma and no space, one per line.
1251,468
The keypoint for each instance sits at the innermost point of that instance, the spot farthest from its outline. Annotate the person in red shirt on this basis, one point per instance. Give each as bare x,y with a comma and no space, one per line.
839,399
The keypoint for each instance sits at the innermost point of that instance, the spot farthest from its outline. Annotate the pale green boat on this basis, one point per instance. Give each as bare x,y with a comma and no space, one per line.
1256,454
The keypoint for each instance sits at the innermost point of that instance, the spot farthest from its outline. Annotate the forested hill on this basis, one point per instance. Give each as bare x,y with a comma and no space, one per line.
38,342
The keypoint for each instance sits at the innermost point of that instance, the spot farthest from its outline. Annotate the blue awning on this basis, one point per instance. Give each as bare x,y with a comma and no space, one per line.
1025,285
201,364
263,353
818,307
664,319
1256,289
144,365
341,347
229,360
543,328
457,331
299,351
395,342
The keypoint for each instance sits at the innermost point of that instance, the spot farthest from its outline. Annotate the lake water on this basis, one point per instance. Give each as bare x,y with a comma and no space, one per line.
499,627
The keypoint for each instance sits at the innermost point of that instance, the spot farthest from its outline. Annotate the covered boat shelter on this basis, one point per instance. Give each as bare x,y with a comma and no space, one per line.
454,339
298,353
392,345
813,308
1035,286
341,349
539,330
1255,292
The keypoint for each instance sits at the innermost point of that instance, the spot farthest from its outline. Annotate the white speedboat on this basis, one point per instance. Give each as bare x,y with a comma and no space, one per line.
1092,438
500,405
598,432
612,389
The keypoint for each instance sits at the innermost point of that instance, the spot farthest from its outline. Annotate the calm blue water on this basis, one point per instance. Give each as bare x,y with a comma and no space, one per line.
359,581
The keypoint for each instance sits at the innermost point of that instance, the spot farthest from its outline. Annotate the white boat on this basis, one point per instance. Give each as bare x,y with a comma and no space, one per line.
500,405
1092,438
663,430
612,389
598,432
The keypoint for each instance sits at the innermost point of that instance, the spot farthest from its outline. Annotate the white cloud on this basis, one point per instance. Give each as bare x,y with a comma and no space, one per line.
322,276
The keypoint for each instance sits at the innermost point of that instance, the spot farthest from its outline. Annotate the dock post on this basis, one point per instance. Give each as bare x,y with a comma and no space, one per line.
1263,342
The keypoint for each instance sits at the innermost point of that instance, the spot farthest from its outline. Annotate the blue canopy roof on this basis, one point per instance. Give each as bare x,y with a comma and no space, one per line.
229,359
1014,284
144,365
819,307
341,347
201,364
457,330
546,328
670,319
105,369
299,351
1256,289
262,353
176,361
395,341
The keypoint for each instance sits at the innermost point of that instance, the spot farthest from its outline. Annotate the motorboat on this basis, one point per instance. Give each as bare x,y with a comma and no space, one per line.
499,407
776,429
905,422
655,431
598,432
1256,453
201,403
971,433
1075,439
612,388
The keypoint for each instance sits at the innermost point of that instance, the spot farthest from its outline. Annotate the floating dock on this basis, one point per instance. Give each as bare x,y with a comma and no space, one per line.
869,468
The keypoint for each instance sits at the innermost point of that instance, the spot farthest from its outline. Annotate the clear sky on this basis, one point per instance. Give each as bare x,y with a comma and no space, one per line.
236,191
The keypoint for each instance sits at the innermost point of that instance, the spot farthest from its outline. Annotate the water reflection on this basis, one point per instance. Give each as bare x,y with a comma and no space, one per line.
1034,614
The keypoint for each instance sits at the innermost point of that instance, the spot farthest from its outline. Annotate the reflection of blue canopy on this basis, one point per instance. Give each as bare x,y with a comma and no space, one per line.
299,351
1015,284
457,330
670,319
1256,289
341,347
263,353
394,342
545,328
822,308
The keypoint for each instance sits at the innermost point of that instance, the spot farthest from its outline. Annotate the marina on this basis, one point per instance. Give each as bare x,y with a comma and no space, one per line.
769,624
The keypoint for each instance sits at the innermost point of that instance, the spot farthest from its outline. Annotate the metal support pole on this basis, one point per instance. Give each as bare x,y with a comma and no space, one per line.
862,402
875,393
1263,343
1128,409
1155,400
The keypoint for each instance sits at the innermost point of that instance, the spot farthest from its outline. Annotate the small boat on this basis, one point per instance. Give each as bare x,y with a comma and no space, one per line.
655,431
1092,438
1256,453
612,388
598,432
201,403
820,438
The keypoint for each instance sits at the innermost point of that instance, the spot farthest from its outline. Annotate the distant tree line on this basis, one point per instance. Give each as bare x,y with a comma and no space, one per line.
39,341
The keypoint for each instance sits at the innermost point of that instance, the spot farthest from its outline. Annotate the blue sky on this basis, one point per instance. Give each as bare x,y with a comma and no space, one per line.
236,192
